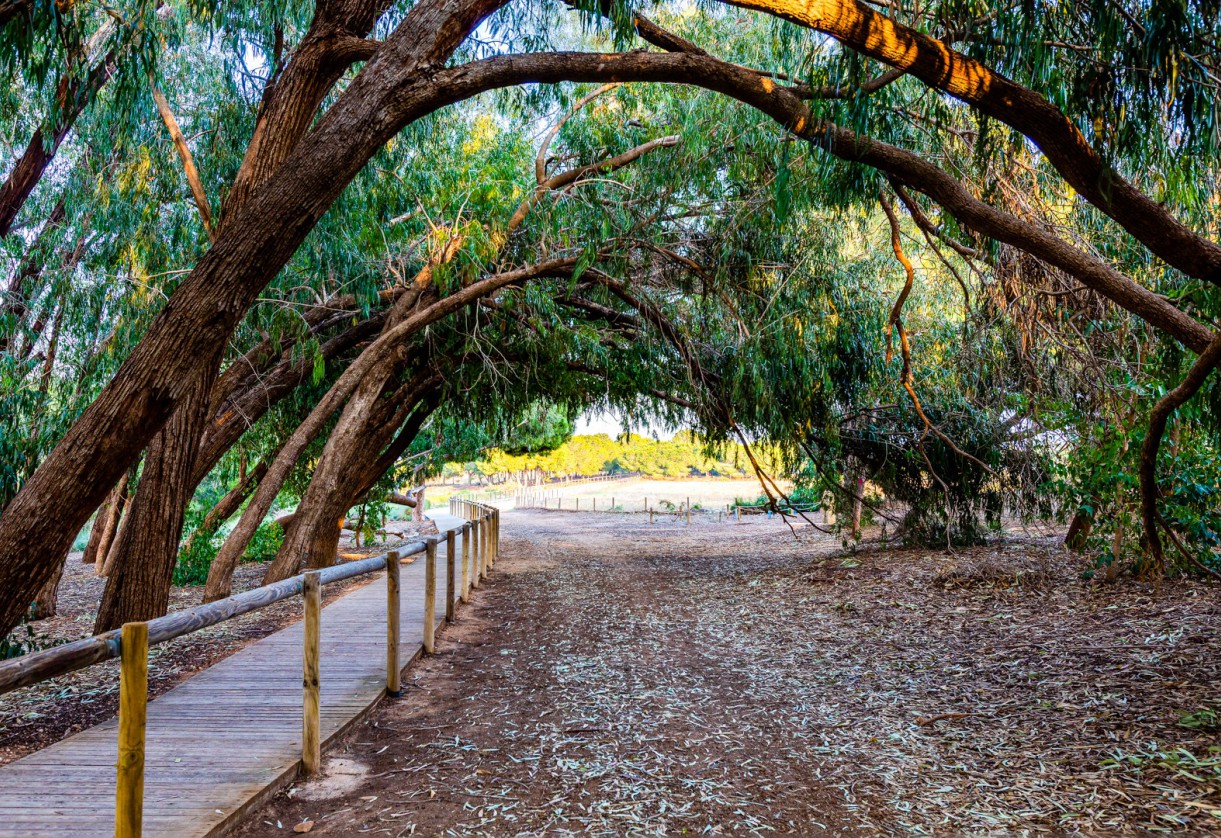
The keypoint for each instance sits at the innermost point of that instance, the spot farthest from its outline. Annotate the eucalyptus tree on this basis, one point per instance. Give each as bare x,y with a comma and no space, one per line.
962,94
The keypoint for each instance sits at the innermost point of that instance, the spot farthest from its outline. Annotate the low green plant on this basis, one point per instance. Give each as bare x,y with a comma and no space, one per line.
22,640
1206,720
265,543
194,562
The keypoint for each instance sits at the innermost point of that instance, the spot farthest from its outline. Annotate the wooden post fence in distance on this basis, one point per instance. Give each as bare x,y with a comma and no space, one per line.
133,713
430,595
650,516
311,705
393,594
449,576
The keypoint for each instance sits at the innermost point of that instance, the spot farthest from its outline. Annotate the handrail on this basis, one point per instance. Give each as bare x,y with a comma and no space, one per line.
480,545
61,660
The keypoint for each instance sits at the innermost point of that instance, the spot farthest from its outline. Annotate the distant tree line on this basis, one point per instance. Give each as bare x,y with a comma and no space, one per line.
686,455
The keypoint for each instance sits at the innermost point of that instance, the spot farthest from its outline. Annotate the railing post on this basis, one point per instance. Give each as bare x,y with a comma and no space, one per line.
491,538
133,712
430,595
475,553
311,705
449,576
484,537
393,589
466,562
496,552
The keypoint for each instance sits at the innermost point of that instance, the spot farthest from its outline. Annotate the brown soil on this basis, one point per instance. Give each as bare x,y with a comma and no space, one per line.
617,678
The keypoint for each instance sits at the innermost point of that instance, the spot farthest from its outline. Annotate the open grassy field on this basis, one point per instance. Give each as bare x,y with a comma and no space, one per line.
631,495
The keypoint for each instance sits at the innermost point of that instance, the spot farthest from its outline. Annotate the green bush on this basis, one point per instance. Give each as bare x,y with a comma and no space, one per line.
265,543
193,564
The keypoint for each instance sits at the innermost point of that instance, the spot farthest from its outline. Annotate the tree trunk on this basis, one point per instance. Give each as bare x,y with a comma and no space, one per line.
1079,530
311,537
110,534
45,603
75,93
105,523
138,587
188,335
857,486
355,443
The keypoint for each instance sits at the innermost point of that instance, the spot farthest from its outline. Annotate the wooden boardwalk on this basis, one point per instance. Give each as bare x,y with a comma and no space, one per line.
220,740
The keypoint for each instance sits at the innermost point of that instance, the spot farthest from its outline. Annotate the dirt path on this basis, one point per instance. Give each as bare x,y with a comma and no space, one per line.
617,678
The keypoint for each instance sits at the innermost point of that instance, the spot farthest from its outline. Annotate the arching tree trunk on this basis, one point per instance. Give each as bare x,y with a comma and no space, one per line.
160,374
356,445
325,542
138,587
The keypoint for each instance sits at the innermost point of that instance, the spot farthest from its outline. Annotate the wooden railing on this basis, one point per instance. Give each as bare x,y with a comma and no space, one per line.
130,644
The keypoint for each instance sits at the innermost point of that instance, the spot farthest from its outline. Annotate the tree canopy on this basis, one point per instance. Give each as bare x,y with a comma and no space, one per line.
313,251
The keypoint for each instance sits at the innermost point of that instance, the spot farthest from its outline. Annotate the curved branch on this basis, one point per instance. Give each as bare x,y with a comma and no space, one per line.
933,62
1160,415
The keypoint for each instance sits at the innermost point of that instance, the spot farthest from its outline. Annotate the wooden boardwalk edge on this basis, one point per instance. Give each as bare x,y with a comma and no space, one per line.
228,738
294,772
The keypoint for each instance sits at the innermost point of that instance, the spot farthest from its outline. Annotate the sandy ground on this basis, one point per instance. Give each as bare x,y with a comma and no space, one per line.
616,679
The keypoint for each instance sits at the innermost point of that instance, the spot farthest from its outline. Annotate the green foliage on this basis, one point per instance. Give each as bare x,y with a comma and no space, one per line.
21,641
776,336
193,563
1206,719
264,543
584,456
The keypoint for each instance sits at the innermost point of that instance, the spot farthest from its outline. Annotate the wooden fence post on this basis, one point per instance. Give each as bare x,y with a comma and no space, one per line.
485,541
393,588
430,595
495,536
133,713
650,516
449,576
474,525
311,706
466,562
